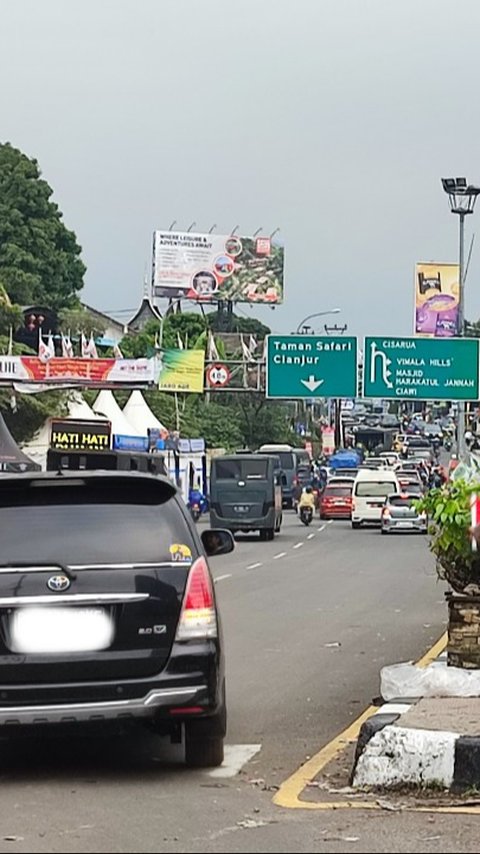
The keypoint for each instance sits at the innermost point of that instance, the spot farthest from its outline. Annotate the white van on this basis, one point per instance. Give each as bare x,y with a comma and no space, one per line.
370,490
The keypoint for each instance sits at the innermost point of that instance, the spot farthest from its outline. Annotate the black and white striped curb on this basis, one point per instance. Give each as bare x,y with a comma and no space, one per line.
388,754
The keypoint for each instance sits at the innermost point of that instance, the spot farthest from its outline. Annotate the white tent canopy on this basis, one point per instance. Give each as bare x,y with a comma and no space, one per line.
139,414
79,408
106,406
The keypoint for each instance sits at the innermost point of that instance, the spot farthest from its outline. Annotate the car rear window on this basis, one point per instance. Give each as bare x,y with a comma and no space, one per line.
374,489
241,469
400,501
338,491
90,525
287,460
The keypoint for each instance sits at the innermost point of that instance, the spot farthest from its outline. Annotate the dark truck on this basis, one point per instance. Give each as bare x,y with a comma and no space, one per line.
246,494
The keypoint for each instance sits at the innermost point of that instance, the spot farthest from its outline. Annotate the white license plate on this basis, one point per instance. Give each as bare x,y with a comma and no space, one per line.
56,630
403,524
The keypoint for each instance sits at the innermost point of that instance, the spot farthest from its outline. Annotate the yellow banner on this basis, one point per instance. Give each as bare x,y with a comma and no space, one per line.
182,370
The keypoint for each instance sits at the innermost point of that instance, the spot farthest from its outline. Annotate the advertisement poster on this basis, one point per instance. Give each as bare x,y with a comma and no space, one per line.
212,267
182,370
76,372
436,300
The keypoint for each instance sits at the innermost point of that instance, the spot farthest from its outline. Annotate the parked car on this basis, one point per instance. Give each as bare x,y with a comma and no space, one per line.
400,515
336,500
108,609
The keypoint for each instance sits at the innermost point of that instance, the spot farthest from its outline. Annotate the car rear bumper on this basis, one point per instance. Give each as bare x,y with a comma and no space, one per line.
145,707
193,677
257,523
419,527
336,512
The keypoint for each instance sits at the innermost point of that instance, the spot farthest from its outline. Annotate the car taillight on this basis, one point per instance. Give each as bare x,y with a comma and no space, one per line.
198,618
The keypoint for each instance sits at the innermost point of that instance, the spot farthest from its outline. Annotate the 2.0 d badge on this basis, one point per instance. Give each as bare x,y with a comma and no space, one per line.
58,583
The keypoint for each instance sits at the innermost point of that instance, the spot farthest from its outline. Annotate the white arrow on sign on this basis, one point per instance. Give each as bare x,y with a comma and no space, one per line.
312,383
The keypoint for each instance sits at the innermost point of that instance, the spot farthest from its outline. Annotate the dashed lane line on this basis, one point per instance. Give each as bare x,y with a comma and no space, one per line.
298,545
222,577
282,554
310,536
322,527
254,566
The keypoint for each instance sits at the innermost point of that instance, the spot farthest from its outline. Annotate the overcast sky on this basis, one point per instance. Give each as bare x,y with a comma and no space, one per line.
331,119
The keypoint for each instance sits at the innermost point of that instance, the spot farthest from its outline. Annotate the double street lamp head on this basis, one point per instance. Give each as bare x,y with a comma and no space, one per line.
462,196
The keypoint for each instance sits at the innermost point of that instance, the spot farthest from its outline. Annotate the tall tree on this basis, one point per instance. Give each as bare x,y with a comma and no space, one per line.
39,257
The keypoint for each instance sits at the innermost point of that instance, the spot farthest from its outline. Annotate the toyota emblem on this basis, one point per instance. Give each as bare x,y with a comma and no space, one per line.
58,583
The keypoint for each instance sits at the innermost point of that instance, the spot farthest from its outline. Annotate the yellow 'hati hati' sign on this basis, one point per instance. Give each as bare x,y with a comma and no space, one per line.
69,435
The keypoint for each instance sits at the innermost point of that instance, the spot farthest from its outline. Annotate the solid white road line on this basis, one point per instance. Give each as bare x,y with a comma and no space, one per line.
298,545
236,756
254,565
282,554
310,536
222,577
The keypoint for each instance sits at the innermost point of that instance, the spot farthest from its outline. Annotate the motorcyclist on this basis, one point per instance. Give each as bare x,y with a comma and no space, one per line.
196,496
307,499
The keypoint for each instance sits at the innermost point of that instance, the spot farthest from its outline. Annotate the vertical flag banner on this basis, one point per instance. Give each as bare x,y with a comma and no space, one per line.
181,370
437,293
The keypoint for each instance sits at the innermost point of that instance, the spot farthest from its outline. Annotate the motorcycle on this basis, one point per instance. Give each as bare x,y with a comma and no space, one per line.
195,511
306,515
448,444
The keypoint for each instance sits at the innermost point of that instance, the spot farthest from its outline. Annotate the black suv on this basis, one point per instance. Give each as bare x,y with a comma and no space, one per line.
107,608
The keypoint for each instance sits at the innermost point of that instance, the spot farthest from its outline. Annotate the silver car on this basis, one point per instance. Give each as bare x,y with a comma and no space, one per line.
400,515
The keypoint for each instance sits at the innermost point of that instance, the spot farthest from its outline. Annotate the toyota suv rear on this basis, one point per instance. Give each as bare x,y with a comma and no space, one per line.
107,608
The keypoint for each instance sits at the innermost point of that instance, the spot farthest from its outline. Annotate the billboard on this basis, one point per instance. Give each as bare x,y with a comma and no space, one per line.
212,267
182,370
436,300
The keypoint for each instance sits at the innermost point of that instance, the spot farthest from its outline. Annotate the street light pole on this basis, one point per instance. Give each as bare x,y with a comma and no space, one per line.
302,323
461,444
462,197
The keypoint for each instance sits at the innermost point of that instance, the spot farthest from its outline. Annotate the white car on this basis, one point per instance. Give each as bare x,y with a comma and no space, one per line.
370,491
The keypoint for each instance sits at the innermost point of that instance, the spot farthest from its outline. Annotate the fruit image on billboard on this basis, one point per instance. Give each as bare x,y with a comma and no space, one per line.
212,267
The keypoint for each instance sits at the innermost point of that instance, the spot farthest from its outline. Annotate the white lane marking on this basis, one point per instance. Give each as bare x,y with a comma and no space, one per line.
236,756
282,554
330,521
254,565
322,527
222,577
310,536
298,545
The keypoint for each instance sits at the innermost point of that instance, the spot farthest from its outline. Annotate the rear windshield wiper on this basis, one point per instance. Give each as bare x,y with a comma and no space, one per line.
28,564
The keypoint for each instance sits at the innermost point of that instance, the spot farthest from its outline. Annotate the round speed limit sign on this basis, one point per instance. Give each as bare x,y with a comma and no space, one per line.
218,375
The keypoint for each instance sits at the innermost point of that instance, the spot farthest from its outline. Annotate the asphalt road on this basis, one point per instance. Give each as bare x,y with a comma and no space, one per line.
309,620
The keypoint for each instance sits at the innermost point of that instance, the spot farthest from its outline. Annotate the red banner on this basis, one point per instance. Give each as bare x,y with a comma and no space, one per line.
31,369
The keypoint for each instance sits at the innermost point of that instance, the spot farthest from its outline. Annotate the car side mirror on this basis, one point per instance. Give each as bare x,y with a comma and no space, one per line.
283,480
217,541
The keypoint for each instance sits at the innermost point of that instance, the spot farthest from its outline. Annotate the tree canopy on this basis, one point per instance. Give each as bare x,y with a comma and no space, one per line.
39,256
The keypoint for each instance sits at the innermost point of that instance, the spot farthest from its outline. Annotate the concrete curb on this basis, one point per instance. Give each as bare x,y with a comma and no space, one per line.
389,754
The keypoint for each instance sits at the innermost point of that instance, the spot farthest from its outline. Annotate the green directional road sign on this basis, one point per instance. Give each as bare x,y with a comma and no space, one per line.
301,366
421,368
